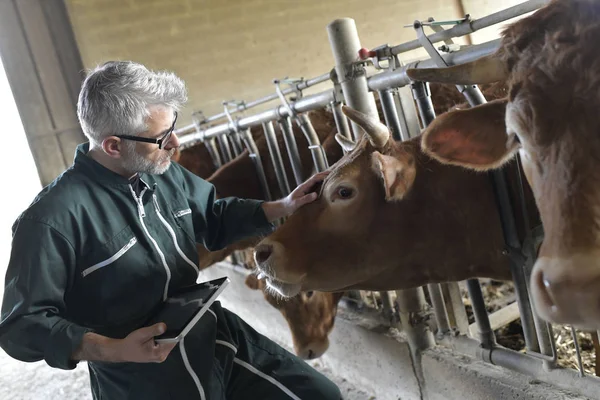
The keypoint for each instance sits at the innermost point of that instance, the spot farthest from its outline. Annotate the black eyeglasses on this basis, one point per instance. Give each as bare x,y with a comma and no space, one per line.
160,142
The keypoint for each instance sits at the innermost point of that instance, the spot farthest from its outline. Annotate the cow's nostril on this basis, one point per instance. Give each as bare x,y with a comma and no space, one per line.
263,253
310,354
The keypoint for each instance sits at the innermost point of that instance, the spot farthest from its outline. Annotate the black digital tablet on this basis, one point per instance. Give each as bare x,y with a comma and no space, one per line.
182,310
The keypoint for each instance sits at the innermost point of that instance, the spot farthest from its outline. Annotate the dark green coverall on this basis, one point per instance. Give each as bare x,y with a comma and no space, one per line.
90,255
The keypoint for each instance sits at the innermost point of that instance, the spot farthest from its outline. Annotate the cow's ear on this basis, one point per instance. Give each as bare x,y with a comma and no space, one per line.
396,172
474,138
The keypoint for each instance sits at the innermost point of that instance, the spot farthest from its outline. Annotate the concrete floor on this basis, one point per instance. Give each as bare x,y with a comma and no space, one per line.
33,381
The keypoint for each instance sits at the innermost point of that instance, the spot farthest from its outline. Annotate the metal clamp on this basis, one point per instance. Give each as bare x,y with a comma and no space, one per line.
384,53
234,123
294,84
199,119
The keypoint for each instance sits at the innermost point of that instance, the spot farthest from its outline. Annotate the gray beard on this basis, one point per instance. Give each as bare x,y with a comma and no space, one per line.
136,163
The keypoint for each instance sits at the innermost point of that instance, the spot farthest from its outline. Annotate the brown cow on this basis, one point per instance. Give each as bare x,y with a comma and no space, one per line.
551,118
381,198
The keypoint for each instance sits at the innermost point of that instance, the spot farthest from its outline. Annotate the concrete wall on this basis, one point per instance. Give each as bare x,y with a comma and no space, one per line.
228,49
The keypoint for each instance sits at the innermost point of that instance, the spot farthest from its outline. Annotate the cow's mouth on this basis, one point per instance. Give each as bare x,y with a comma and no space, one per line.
281,288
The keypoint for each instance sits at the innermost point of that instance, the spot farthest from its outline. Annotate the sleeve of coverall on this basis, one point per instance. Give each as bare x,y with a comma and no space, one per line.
40,268
220,222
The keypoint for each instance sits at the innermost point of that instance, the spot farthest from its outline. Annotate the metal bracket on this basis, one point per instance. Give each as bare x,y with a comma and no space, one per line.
237,104
293,83
384,53
199,119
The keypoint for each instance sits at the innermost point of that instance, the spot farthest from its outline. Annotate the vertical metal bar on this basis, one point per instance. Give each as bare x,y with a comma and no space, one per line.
345,44
276,159
255,157
422,97
225,149
407,113
453,297
576,343
413,312
519,273
314,143
390,113
439,308
486,334
211,146
388,309
285,125
236,144
341,122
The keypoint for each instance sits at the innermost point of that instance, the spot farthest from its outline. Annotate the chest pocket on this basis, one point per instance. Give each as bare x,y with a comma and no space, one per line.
183,218
111,273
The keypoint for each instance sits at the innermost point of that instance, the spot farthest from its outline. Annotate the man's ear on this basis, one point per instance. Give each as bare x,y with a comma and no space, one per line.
113,146
397,173
474,138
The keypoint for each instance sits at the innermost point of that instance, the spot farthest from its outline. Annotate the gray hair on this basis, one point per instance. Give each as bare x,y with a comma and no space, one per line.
115,97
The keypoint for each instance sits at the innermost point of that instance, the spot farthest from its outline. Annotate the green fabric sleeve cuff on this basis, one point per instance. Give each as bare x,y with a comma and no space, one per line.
64,339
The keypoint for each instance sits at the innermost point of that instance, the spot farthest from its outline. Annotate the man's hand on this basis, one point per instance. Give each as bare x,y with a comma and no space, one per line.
138,346
303,194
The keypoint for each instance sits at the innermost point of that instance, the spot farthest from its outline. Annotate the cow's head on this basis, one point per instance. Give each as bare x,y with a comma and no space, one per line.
326,244
310,316
551,118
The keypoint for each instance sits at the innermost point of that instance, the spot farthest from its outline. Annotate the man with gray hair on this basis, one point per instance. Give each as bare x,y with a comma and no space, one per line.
115,234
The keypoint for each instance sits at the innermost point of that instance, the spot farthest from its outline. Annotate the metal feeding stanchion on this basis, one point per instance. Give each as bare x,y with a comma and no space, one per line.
198,119
530,321
314,144
276,159
345,44
285,124
234,136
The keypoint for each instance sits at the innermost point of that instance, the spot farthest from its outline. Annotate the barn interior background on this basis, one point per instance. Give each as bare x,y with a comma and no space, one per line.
232,50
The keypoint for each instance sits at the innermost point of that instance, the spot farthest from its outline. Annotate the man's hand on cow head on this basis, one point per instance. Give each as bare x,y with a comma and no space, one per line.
303,194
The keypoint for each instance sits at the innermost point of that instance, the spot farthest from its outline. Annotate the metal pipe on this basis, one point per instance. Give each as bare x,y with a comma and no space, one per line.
213,150
314,144
385,80
567,379
276,159
245,106
307,103
414,314
345,44
225,149
285,125
388,309
453,297
341,122
390,113
470,27
486,334
439,308
256,160
422,97
398,77
511,238
236,143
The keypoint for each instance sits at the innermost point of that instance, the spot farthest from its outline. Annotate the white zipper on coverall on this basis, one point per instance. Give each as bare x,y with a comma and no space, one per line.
142,214
172,232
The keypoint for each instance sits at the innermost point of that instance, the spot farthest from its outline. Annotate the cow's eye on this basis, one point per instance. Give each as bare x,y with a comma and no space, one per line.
309,294
345,193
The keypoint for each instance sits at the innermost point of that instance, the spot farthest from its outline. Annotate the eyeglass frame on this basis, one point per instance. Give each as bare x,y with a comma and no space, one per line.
164,139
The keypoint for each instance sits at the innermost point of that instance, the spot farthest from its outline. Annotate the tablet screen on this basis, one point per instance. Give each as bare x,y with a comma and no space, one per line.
181,307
